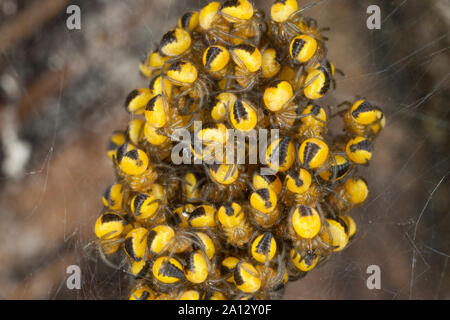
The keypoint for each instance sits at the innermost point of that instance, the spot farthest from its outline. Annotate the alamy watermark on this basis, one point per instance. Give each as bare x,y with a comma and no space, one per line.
73,21
374,20
233,151
73,281
374,280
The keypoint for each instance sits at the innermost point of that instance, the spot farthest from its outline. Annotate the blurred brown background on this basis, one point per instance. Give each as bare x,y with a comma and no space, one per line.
62,94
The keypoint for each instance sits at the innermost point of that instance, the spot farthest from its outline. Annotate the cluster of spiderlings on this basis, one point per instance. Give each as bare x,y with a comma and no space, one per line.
228,231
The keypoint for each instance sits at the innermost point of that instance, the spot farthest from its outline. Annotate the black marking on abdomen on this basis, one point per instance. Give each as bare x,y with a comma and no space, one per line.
212,53
239,111
168,38
185,19
110,217
305,211
170,270
297,46
229,211
326,84
365,106
129,248
237,276
246,47
265,195
133,94
230,3
133,154
176,66
311,150
107,194
341,169
199,212
279,154
138,202
151,236
298,182
264,244
151,104
362,145
121,152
